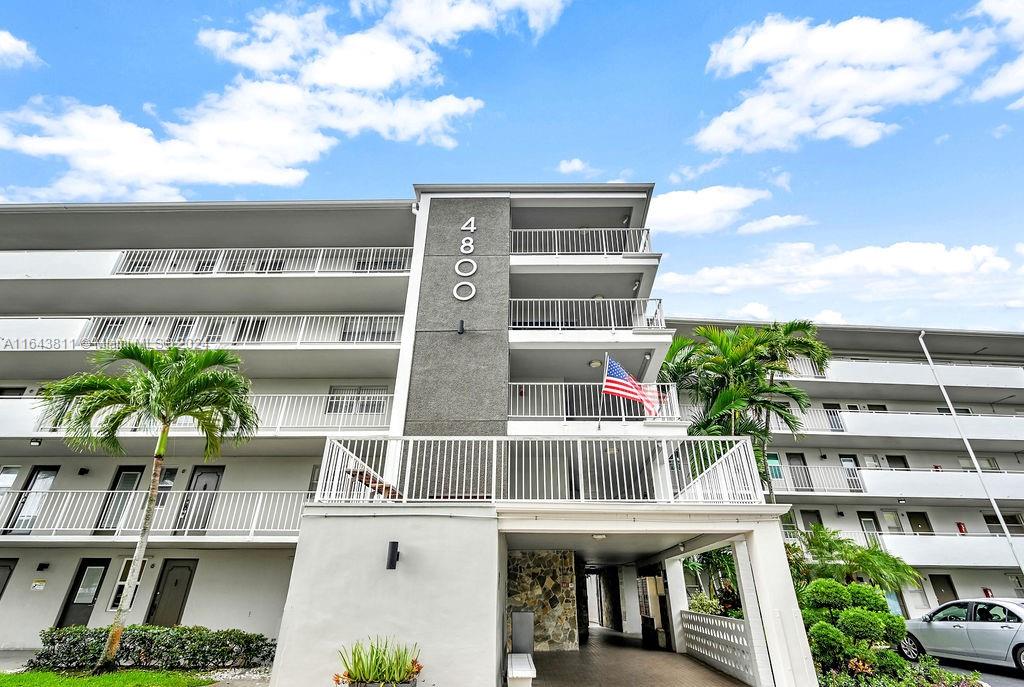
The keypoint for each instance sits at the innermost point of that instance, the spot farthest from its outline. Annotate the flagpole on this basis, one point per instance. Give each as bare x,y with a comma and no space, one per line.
601,395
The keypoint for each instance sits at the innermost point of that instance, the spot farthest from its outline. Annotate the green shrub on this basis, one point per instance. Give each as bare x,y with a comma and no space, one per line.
814,615
861,624
867,596
888,662
895,627
829,646
702,603
149,646
826,593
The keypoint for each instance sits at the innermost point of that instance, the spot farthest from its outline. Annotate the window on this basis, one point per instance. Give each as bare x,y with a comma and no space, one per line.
959,411
214,331
122,580
891,520
877,408
251,330
1014,523
8,475
951,613
166,484
314,479
13,390
774,465
1017,582
897,462
985,463
994,613
181,329
346,399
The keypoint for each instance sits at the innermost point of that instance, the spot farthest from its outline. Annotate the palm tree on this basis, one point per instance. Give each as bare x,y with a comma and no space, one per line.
837,557
150,388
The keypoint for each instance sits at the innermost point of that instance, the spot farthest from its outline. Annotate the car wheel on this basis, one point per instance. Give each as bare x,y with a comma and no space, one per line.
910,648
1018,657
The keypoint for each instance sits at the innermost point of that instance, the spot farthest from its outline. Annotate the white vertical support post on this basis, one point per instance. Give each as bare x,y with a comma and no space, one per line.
752,612
256,515
784,633
678,601
494,470
580,481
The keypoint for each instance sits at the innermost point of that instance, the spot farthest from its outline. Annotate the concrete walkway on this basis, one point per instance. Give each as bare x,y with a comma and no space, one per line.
13,661
611,659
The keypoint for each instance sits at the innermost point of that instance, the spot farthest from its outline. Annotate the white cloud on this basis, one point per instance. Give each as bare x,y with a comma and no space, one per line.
1001,130
780,179
688,173
906,270
829,316
701,211
829,80
15,52
941,138
773,222
1019,248
575,166
751,311
302,86
1008,79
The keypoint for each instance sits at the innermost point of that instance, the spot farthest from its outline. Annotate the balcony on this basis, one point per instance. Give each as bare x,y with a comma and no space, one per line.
940,550
262,261
540,469
219,516
567,402
607,314
616,241
906,379
280,415
52,346
920,484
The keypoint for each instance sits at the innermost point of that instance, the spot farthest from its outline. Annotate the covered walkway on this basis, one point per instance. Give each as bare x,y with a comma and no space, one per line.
612,659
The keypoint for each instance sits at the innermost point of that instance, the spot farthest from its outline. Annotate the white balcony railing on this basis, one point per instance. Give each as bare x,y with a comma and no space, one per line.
211,331
816,478
614,241
178,513
263,261
278,413
937,549
895,483
540,469
902,423
586,313
582,401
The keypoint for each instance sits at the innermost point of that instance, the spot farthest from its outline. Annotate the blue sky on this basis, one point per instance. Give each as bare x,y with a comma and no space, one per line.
856,162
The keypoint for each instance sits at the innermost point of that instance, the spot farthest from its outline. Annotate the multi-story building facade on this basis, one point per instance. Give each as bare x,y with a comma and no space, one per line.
435,454
880,457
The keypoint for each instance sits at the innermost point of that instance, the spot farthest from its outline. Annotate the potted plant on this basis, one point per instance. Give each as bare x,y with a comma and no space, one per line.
379,663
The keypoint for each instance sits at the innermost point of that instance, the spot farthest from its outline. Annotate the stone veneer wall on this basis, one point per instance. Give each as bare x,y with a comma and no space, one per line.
544,582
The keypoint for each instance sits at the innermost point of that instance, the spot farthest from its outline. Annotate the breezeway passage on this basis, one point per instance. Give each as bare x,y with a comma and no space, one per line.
613,659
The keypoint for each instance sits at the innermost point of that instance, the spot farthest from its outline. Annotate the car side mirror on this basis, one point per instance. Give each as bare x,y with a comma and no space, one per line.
927,617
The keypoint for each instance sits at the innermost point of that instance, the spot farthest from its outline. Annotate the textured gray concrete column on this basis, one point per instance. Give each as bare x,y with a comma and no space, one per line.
783,626
459,382
752,613
678,601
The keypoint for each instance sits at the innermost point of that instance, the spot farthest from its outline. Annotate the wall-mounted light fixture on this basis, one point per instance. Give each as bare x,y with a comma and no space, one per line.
647,356
901,501
595,363
35,441
392,555
599,537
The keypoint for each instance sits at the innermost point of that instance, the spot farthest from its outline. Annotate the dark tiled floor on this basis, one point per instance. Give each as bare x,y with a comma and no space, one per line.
611,659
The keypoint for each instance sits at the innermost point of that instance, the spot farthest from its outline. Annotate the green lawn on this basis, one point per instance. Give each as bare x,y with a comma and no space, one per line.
122,678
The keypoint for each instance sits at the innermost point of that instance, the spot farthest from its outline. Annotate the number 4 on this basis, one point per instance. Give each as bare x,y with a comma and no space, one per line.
470,224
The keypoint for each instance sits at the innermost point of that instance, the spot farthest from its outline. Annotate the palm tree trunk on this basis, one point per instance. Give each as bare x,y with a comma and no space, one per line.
107,661
764,444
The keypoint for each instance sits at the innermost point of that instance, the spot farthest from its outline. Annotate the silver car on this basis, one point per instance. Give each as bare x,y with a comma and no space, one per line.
983,630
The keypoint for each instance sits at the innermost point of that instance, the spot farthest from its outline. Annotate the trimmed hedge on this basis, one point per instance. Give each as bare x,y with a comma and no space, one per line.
829,645
867,596
150,646
861,624
826,593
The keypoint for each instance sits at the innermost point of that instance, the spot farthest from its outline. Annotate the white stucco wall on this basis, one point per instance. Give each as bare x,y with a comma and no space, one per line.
442,595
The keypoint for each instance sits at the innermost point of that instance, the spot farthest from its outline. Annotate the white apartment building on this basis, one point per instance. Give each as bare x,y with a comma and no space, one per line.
881,460
435,456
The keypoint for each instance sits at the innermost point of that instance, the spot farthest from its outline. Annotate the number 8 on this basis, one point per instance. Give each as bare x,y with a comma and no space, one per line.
467,245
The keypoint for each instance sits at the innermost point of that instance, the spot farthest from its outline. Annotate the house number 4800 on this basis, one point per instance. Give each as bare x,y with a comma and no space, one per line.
466,267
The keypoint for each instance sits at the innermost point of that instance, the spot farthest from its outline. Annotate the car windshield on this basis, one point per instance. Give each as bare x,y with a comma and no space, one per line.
957,611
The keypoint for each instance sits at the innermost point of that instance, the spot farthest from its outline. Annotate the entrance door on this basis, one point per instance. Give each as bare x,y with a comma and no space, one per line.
832,412
919,523
944,589
6,570
798,469
120,499
171,592
849,463
811,518
33,499
85,587
200,499
869,523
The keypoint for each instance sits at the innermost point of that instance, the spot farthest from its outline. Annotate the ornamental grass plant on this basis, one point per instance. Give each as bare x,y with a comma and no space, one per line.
379,661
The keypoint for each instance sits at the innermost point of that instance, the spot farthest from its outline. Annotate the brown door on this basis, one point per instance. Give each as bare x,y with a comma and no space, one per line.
798,469
85,588
6,570
171,592
919,523
811,518
200,499
33,501
944,589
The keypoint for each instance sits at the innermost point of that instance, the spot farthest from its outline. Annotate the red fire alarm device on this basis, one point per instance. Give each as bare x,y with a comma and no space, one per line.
961,528
987,592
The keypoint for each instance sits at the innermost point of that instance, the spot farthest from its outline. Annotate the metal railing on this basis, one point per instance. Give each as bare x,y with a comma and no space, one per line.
584,401
202,331
835,420
802,367
178,513
263,260
586,313
282,413
539,469
721,642
823,478
569,241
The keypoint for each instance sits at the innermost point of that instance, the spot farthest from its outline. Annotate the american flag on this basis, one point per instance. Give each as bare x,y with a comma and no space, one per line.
618,382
